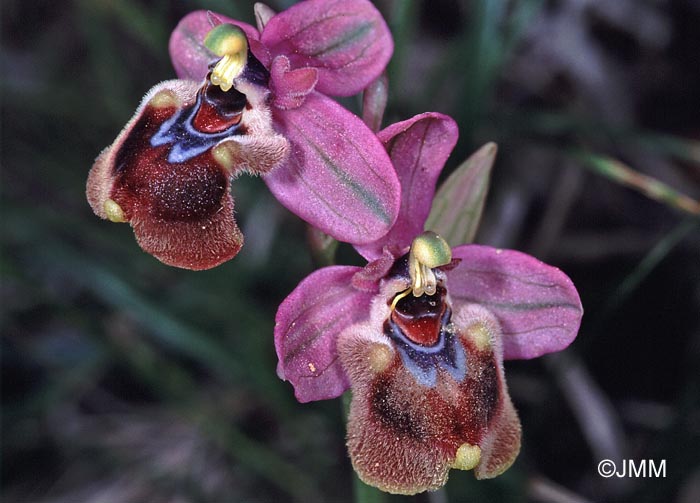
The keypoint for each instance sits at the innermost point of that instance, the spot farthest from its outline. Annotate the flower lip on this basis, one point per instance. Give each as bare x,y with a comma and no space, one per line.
421,320
182,131
422,329
424,362
218,110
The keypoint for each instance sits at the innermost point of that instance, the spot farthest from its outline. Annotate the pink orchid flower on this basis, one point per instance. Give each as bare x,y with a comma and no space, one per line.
421,332
253,100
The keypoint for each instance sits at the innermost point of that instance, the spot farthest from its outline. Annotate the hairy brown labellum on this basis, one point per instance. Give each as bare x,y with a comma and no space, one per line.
168,173
428,392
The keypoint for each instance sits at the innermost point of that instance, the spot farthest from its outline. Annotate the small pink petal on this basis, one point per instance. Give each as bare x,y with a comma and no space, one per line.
306,328
290,87
338,176
187,51
418,148
347,40
537,305
367,279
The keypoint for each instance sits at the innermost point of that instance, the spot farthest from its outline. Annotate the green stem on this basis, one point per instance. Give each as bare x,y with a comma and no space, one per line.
651,187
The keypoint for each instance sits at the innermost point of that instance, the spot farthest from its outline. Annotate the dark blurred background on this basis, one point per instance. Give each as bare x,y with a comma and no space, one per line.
124,380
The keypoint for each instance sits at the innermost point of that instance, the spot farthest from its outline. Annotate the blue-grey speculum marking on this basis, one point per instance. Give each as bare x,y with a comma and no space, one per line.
187,142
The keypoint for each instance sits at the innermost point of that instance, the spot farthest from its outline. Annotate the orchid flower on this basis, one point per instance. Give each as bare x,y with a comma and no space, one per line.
254,100
420,334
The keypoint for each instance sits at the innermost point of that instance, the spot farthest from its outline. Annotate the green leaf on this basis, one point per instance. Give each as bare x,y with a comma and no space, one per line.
651,187
457,207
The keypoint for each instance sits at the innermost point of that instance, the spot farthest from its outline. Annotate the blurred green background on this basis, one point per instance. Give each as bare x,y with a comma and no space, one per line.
124,380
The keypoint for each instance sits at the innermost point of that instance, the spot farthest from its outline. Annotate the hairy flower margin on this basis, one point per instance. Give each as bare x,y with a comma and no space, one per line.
254,100
426,370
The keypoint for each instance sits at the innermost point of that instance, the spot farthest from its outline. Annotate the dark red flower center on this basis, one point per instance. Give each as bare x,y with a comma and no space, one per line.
420,318
218,110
